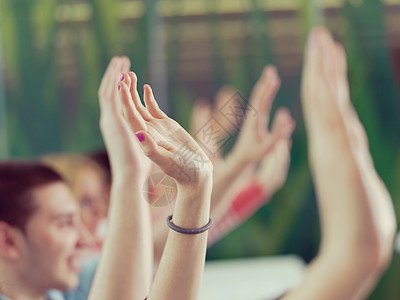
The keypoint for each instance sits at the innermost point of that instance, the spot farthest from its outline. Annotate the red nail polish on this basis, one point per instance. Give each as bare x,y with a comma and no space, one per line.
122,77
140,137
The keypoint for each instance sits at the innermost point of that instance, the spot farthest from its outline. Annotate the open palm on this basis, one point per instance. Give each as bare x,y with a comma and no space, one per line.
163,140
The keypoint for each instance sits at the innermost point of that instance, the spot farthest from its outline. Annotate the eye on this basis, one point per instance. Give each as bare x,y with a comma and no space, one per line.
65,222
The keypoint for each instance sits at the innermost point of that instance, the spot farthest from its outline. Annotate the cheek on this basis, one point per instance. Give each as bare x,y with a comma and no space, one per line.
86,214
88,219
53,249
65,241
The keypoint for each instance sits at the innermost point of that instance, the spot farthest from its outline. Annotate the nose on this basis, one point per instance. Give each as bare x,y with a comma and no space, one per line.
85,240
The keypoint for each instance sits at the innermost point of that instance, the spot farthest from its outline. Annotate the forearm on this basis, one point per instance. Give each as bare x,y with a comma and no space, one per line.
232,176
128,244
334,276
181,268
353,217
160,230
346,210
245,203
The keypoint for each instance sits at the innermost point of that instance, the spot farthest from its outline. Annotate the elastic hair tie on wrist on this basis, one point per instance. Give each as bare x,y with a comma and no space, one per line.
188,231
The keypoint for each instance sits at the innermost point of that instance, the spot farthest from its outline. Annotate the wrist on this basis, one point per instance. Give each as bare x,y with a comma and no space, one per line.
199,180
192,207
129,177
197,187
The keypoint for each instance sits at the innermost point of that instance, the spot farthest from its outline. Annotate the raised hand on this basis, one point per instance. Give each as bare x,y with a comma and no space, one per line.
357,217
204,114
123,258
122,146
255,140
274,166
162,139
168,145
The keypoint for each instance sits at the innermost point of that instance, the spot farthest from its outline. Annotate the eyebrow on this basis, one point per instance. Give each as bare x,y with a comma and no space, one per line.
64,215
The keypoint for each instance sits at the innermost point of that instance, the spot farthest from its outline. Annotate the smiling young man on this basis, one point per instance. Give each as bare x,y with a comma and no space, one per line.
41,238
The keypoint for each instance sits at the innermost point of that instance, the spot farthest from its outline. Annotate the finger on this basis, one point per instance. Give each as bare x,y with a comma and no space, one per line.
319,60
312,53
283,122
107,72
283,149
319,103
136,98
270,83
223,97
152,150
311,70
266,86
134,119
126,64
343,85
151,103
127,80
108,87
267,145
329,62
113,79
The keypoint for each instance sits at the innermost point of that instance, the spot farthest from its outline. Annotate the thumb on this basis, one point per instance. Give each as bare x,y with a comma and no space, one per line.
152,150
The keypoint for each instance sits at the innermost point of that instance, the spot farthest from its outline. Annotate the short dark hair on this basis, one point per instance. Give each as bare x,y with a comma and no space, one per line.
17,180
101,158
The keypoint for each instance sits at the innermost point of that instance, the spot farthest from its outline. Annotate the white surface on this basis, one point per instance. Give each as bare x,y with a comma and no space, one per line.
258,278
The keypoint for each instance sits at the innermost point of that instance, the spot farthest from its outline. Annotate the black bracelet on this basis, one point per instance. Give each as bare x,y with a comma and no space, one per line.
188,231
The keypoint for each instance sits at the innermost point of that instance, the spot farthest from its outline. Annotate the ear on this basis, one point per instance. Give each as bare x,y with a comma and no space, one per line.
10,241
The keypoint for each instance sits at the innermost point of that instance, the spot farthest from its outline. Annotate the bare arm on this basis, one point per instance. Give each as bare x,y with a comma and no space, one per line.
168,145
356,212
125,266
255,140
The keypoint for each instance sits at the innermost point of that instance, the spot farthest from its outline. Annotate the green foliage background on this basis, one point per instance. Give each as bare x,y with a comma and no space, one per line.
42,117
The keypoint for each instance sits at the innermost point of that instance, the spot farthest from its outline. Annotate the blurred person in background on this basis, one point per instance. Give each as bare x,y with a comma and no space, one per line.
42,239
87,181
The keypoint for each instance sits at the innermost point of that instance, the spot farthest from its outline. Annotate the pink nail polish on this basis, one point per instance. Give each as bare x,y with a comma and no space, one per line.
140,137
122,77
119,87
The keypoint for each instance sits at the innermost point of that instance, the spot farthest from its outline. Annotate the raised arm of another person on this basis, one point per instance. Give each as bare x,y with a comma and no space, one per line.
237,193
357,217
212,125
256,192
168,145
255,140
126,263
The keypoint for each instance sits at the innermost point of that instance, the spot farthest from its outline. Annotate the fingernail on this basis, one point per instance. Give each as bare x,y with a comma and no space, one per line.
122,77
140,137
143,87
119,87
